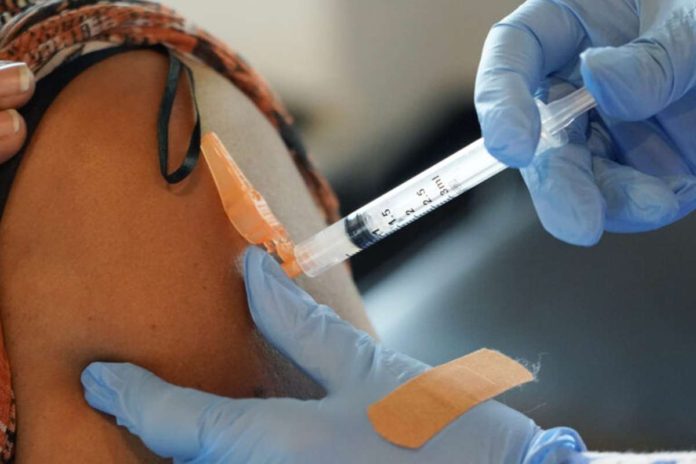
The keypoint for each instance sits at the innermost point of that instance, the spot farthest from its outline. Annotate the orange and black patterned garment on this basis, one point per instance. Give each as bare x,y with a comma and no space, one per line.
60,38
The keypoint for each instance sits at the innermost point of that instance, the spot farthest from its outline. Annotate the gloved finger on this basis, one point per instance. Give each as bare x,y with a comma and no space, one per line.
599,139
677,126
684,188
645,146
329,349
635,201
535,40
172,421
638,80
565,195
559,444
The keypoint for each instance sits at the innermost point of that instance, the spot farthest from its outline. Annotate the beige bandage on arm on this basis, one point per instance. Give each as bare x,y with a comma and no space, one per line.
416,411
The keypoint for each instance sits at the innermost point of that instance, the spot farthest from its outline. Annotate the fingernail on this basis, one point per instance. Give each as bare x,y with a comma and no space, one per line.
273,269
260,271
15,79
97,393
10,121
277,279
268,287
257,261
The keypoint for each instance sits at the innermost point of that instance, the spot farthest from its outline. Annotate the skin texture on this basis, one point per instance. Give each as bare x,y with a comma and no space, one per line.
101,260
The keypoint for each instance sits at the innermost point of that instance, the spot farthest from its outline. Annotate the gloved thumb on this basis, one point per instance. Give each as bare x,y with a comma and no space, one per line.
329,349
167,418
638,80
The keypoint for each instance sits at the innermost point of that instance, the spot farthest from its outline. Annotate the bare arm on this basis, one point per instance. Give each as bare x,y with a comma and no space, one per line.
101,260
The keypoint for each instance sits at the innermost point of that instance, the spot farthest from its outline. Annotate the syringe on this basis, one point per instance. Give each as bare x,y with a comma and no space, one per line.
428,190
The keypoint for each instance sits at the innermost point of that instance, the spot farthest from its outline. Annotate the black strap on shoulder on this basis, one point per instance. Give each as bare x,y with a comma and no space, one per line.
48,88
192,153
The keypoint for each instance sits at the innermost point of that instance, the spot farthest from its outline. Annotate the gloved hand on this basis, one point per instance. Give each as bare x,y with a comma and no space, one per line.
630,166
196,427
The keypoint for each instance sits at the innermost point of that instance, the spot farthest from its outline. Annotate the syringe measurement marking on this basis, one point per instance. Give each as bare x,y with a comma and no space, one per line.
441,185
412,213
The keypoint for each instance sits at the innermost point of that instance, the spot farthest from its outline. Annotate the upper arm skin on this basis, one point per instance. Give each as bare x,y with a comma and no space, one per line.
101,260
261,154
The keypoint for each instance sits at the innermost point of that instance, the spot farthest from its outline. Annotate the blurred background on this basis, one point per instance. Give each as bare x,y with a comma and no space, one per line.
383,89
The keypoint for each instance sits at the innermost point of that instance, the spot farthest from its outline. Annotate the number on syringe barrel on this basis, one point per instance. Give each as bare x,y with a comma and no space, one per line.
440,184
440,193
425,199
392,221
387,213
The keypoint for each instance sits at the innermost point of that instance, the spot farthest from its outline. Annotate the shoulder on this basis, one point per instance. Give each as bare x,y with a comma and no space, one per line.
91,168
114,105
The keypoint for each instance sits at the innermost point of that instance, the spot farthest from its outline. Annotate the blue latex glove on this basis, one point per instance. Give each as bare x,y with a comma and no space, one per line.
630,166
196,427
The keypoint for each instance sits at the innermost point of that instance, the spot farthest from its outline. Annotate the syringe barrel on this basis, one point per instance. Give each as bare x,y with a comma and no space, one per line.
428,190
398,207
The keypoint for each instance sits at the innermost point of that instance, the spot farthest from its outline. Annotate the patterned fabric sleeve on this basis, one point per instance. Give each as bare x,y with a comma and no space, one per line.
45,34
